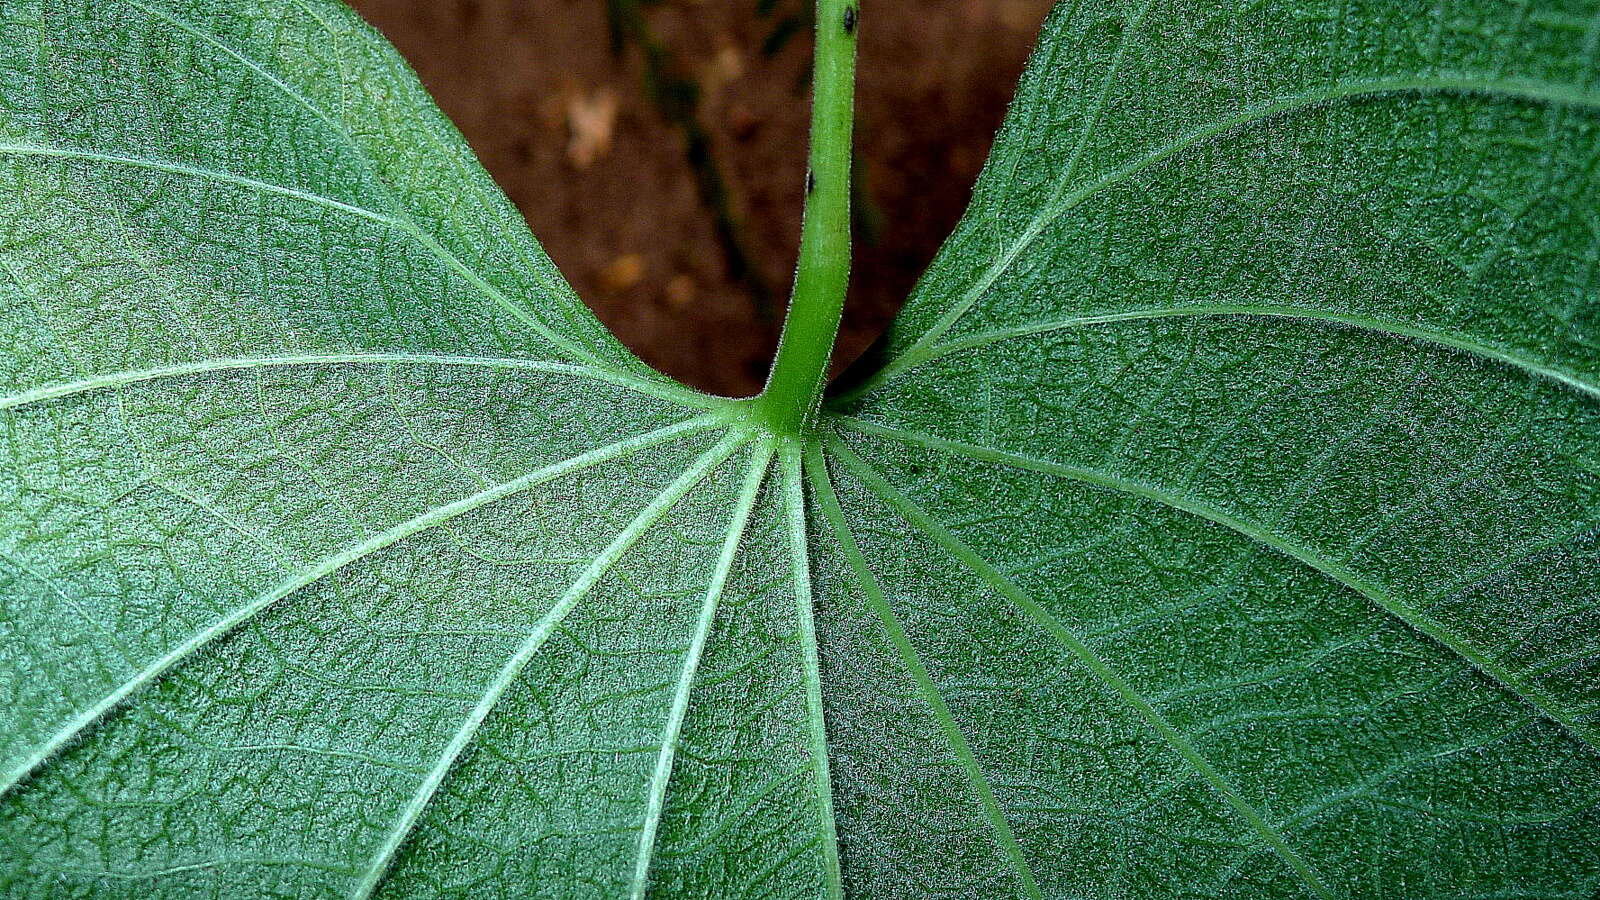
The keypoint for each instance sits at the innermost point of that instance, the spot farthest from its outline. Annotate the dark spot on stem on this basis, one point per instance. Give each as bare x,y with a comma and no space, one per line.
850,20
811,181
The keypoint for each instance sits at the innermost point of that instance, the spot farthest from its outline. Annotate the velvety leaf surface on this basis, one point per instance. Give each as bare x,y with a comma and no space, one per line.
1260,386
1224,520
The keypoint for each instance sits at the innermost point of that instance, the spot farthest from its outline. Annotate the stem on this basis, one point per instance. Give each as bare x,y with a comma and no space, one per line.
794,390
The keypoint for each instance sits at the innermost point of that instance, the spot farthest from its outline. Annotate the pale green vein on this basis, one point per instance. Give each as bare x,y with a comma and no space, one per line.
279,862
1209,310
172,168
624,541
656,802
822,486
179,370
403,221
430,519
1512,89
795,514
1102,670
1414,618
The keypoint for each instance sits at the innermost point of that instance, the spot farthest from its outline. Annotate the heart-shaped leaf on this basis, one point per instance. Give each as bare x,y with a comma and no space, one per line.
1220,519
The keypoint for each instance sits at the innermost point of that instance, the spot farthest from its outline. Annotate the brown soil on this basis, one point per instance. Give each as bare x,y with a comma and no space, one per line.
568,129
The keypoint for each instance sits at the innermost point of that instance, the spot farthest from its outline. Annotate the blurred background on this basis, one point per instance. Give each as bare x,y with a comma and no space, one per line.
657,149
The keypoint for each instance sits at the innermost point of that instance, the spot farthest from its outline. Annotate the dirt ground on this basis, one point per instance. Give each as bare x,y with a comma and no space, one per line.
566,125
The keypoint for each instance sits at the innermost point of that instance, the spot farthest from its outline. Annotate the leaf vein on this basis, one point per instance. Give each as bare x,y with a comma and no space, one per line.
954,737
157,165
1366,323
659,781
794,504
132,376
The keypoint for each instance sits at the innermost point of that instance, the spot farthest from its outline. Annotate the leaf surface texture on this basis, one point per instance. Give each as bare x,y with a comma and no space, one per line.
1221,517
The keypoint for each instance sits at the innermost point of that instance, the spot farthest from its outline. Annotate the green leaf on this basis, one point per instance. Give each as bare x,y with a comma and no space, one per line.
1224,519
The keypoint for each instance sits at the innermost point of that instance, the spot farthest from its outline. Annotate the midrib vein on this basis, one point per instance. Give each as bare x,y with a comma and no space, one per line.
404,221
662,391
955,738
918,518
1375,593
795,518
656,802
422,522
1514,89
1218,310
406,822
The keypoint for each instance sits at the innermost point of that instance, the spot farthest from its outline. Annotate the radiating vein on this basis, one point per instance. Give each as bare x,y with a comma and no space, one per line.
921,520
822,486
795,515
151,874
173,168
1208,310
1412,617
179,370
422,522
652,513
656,801
1441,83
